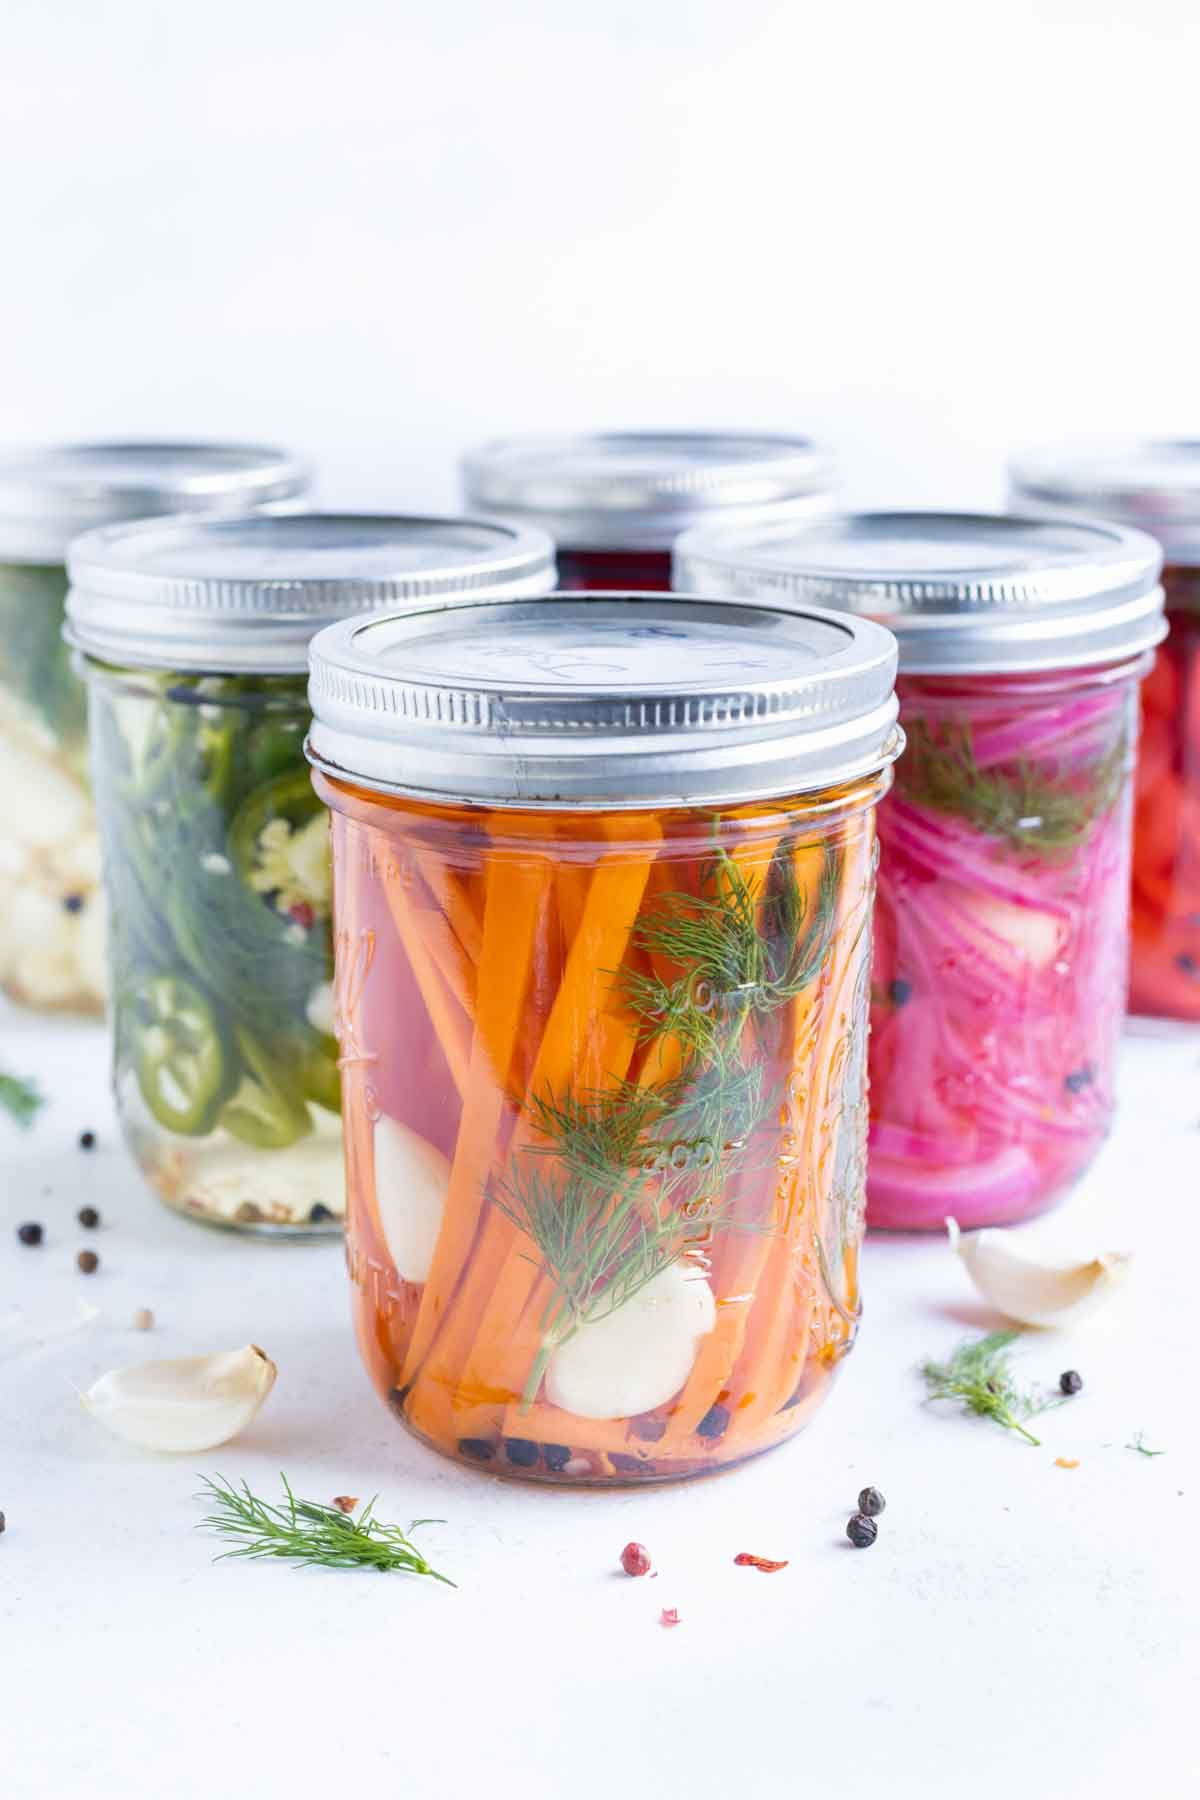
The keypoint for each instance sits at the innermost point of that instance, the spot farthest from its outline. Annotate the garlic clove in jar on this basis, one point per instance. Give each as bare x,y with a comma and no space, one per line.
185,1404
1032,1282
411,1179
638,1356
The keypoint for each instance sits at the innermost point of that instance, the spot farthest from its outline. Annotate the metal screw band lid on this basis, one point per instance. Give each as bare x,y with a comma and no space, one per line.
603,700
963,592
639,489
246,594
1152,484
50,494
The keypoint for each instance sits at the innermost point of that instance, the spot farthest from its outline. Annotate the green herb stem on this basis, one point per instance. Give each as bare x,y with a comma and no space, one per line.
309,1534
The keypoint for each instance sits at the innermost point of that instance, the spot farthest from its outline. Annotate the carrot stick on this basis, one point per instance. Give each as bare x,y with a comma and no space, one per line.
448,1018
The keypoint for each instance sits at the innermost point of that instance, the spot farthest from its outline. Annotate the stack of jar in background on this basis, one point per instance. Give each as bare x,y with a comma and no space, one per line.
591,979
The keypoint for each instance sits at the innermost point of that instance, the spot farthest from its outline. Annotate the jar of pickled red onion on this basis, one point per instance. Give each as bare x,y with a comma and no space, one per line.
1001,935
194,640
1155,486
603,875
614,502
51,909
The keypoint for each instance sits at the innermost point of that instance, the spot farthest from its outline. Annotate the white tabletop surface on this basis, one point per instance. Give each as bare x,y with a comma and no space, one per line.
1018,1629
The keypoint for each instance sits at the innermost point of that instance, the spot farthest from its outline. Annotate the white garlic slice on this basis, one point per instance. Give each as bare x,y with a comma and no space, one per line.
188,1403
411,1179
1031,1281
638,1356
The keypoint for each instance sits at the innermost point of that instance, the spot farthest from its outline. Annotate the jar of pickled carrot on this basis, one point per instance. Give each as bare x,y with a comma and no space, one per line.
51,911
614,502
1154,485
1001,935
603,875
194,639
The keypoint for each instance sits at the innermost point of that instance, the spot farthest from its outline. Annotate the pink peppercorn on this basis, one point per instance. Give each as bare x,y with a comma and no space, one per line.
635,1559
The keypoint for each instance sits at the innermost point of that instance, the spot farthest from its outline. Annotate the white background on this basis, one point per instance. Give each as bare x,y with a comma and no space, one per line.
381,230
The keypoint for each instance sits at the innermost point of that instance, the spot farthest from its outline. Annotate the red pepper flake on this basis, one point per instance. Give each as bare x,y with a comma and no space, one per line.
1066,1462
303,914
746,1561
669,1615
345,1502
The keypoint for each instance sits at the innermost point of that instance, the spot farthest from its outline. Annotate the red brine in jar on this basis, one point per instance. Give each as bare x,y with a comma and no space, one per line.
614,502
1001,938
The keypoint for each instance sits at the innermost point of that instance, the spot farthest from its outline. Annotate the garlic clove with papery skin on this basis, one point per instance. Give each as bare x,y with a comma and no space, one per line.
411,1179
188,1403
1033,1283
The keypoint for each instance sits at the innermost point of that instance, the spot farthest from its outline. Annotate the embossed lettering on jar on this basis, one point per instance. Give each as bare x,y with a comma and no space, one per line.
1001,935
1155,486
216,849
603,883
614,502
51,907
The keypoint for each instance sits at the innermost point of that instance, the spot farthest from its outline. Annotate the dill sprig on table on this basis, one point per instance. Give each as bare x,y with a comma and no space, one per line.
979,1375
309,1534
1019,804
20,1099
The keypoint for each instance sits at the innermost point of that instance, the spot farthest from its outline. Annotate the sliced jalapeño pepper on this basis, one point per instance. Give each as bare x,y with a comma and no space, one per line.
289,797
261,1111
181,1054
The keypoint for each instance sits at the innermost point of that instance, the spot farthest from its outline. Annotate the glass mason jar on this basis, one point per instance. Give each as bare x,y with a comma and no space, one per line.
194,638
1154,485
614,502
51,910
603,875
1001,934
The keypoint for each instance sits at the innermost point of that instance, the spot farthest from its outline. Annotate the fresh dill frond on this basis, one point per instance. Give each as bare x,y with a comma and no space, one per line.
978,1374
1019,803
20,1099
1138,1442
309,1534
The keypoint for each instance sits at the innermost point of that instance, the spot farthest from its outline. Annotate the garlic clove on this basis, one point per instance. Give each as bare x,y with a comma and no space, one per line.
640,1355
411,1179
185,1404
1032,1282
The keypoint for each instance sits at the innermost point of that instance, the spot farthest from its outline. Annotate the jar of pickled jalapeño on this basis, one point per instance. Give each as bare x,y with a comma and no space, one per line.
1154,485
614,502
1001,933
603,873
51,914
194,639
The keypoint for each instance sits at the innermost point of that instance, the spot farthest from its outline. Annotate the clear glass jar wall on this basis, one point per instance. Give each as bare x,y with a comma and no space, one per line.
216,862
52,926
605,1105
1001,943
1165,975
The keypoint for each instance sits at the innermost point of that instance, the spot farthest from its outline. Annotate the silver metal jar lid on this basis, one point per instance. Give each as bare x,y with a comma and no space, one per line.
49,494
1153,485
639,489
245,595
611,700
963,592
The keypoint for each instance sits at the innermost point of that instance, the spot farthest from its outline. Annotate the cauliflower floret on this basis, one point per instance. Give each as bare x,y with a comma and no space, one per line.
295,866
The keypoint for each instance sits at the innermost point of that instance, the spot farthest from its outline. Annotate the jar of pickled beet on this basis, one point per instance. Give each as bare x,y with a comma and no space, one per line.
603,875
51,912
194,639
614,502
1001,933
1155,486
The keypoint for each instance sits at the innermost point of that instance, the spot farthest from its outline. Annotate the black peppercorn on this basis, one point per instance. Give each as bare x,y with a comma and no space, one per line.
87,1140
713,1423
73,903
88,1261
3,1522
30,1234
871,1502
88,1217
521,1452
318,1214
556,1456
1070,1381
899,991
1079,1080
861,1531
479,1448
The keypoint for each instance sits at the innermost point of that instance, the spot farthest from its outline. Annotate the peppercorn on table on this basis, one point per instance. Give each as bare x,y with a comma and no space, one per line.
1024,1621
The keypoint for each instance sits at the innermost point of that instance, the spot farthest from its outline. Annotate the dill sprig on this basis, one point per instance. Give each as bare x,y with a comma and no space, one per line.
20,1099
978,1374
1019,804
1138,1442
309,1534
